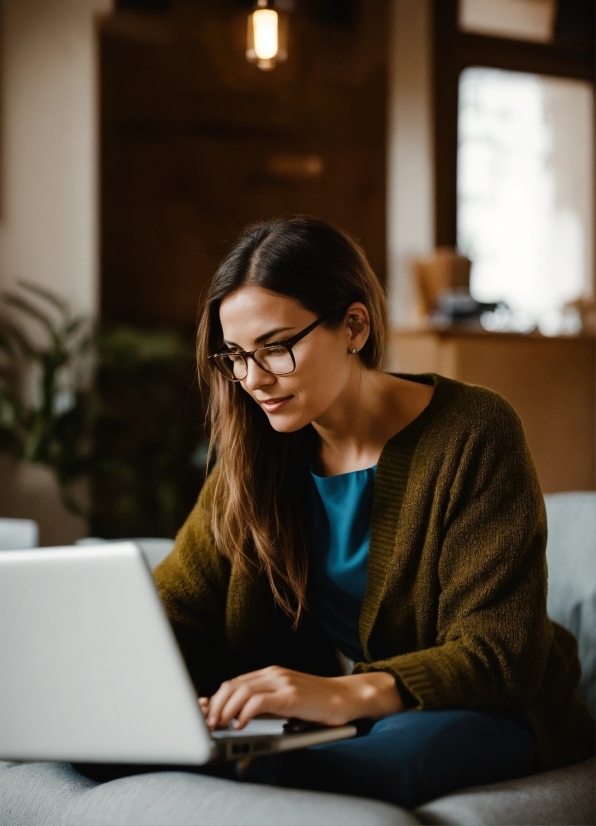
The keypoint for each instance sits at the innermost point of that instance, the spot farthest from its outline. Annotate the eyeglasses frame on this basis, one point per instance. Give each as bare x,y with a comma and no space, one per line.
288,343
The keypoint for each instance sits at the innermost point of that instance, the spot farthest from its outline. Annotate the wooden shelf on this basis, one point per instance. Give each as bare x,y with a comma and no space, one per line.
550,381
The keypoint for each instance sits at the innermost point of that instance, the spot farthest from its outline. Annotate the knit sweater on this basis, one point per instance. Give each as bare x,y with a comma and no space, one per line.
455,602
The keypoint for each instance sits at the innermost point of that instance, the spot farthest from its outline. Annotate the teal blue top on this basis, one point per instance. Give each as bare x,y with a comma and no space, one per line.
337,581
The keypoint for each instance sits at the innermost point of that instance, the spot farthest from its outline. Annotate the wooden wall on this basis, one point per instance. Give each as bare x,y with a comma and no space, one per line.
197,142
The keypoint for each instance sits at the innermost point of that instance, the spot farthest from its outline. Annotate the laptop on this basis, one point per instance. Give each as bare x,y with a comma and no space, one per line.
90,670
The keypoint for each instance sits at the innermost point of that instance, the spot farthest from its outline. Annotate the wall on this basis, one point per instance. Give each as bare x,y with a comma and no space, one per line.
410,197
48,192
197,142
48,224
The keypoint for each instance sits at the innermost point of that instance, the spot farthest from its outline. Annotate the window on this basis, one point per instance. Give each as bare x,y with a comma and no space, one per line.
521,19
525,188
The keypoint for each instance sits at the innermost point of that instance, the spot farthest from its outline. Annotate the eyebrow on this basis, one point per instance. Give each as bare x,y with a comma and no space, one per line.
260,339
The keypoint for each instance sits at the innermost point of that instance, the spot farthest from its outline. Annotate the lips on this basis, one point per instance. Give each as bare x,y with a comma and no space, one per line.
273,405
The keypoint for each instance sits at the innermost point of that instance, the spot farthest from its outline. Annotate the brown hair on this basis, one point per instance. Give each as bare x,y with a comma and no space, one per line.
261,512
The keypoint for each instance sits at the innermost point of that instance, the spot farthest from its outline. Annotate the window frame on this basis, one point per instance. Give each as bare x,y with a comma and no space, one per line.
455,50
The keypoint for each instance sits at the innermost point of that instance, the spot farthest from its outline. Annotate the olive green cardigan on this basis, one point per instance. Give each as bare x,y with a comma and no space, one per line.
455,603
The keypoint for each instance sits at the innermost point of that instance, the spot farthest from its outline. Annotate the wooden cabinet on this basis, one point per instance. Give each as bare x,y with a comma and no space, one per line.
549,381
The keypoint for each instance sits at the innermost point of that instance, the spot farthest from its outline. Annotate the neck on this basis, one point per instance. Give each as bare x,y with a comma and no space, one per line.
353,431
372,407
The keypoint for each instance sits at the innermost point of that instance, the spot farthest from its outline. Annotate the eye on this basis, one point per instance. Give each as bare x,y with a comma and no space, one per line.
276,351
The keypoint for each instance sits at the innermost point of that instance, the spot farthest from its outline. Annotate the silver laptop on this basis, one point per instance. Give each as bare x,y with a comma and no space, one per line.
90,670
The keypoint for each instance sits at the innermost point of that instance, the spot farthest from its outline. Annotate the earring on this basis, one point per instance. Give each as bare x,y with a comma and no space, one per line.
353,350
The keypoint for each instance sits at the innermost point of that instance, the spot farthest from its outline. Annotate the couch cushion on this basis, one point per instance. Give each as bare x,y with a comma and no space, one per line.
38,794
154,550
571,555
18,533
53,794
563,797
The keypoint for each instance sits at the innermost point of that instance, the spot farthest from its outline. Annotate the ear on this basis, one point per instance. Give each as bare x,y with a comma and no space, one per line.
358,324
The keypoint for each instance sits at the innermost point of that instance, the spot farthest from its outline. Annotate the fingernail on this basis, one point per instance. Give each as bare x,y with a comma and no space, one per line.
236,724
211,721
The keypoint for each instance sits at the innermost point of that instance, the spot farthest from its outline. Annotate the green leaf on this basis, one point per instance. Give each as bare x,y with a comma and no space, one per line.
34,312
35,445
61,305
73,326
9,411
125,346
6,344
14,333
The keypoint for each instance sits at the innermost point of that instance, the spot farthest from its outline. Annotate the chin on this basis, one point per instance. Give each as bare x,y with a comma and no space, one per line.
286,427
286,424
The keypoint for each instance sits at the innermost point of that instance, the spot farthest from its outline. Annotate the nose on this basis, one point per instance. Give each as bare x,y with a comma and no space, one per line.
257,377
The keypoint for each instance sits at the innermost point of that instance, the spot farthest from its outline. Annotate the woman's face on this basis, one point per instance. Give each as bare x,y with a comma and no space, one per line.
251,317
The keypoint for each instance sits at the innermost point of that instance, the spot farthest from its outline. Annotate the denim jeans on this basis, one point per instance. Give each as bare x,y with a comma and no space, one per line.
409,758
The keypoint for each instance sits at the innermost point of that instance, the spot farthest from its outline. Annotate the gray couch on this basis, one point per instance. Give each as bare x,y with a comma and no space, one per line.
53,794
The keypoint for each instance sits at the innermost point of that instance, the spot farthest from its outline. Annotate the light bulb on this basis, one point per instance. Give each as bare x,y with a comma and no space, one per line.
264,23
267,36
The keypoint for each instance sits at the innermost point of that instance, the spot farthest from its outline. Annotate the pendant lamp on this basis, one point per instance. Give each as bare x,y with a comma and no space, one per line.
267,34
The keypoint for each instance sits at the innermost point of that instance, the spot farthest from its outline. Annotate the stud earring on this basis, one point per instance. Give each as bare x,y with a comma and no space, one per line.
353,350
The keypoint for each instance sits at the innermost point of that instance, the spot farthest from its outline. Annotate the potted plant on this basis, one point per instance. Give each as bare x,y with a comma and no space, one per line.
103,411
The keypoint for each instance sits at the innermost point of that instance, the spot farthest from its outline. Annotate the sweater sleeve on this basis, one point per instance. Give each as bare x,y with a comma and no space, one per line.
492,632
192,583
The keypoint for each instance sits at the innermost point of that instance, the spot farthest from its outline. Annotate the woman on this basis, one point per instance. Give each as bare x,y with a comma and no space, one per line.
397,519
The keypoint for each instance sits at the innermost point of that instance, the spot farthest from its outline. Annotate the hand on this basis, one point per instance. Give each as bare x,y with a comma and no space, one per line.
331,701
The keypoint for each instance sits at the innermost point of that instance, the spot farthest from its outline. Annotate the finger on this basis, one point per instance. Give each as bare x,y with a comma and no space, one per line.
268,702
243,692
235,704
265,679
218,701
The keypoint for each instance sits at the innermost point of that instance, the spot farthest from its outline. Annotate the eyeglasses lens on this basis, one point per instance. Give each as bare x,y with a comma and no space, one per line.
276,360
233,366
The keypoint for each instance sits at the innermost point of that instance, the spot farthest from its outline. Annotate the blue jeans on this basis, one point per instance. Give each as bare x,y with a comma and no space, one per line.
409,758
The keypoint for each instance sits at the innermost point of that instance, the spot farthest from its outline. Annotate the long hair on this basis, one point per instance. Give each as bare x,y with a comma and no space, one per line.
261,513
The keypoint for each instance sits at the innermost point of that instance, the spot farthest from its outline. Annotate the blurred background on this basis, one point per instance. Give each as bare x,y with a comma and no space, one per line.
454,140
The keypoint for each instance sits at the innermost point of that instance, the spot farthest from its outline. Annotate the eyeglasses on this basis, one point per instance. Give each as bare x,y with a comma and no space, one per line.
276,358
